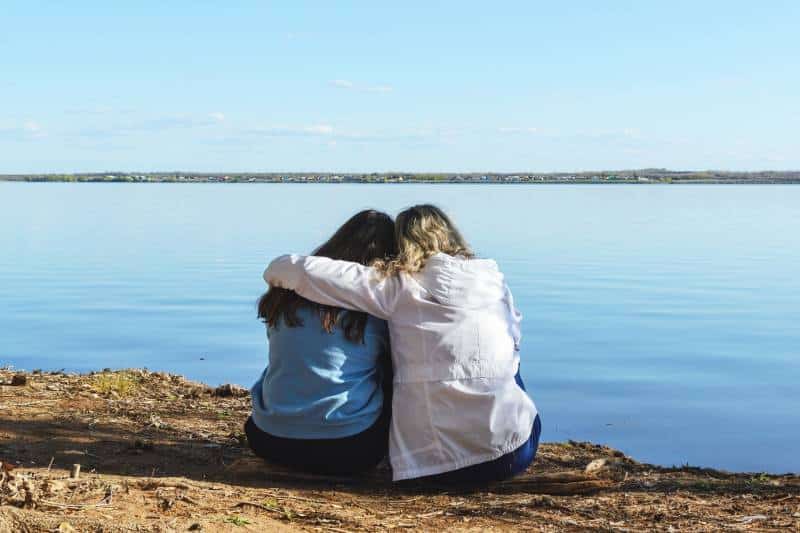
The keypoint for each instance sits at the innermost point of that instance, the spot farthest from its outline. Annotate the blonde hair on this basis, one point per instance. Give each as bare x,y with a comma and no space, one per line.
422,231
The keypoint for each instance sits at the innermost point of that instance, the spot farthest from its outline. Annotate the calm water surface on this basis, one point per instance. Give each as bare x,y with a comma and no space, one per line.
661,320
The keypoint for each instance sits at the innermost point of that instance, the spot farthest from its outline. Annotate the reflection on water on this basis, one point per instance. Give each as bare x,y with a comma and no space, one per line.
662,320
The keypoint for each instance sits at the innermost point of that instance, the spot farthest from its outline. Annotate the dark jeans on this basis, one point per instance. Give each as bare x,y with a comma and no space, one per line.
347,455
504,467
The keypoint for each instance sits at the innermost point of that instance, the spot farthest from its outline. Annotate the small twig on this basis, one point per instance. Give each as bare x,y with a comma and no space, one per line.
353,502
149,484
302,499
407,500
74,505
187,499
51,463
565,489
170,483
554,477
31,404
506,520
258,506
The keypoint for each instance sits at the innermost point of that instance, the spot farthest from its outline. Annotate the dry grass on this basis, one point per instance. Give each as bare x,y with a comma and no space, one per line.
121,384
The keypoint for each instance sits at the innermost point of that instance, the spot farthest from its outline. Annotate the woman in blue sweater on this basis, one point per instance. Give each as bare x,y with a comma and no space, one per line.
322,404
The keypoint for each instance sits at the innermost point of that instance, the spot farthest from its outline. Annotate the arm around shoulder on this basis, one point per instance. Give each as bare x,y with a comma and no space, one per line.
337,283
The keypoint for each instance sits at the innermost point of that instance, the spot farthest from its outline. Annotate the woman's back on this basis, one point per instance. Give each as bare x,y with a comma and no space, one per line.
456,335
319,384
462,319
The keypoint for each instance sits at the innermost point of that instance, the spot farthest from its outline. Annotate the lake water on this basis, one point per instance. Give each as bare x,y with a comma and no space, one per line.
661,320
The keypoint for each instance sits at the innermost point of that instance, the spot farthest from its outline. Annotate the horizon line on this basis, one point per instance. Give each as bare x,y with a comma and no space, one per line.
202,172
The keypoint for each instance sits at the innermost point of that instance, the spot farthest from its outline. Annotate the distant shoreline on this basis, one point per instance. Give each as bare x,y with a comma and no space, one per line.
639,177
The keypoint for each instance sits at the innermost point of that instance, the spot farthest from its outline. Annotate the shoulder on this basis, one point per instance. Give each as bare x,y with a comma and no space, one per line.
446,262
376,326
304,312
376,329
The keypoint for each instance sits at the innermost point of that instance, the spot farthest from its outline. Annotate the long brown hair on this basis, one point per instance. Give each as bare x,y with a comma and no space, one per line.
422,231
366,238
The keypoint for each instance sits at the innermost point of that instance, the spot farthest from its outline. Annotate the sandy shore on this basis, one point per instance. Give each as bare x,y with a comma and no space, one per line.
160,453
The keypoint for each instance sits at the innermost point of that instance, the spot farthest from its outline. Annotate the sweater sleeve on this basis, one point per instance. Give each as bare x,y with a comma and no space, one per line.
337,283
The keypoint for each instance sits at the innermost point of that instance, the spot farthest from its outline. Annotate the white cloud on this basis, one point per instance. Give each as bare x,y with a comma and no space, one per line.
334,136
320,129
518,130
342,84
152,125
347,84
313,130
27,130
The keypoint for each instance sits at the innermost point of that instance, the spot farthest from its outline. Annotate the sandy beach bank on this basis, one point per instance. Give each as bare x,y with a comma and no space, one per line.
158,452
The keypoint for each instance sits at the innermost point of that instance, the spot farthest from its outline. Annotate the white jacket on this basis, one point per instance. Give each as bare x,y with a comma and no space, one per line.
455,337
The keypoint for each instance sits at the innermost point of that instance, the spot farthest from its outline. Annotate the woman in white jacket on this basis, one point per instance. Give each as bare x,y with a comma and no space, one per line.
460,412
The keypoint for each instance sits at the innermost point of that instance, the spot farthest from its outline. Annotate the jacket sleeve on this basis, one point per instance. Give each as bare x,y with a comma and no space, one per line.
337,283
515,318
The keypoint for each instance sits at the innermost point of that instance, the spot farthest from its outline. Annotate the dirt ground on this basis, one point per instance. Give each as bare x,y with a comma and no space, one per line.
160,453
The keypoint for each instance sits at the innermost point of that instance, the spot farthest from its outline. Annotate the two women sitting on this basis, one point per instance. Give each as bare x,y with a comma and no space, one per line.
393,332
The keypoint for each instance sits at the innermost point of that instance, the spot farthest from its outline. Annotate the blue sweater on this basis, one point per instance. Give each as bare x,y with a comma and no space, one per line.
319,385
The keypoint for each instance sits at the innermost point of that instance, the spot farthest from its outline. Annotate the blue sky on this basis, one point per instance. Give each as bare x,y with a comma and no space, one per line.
418,86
